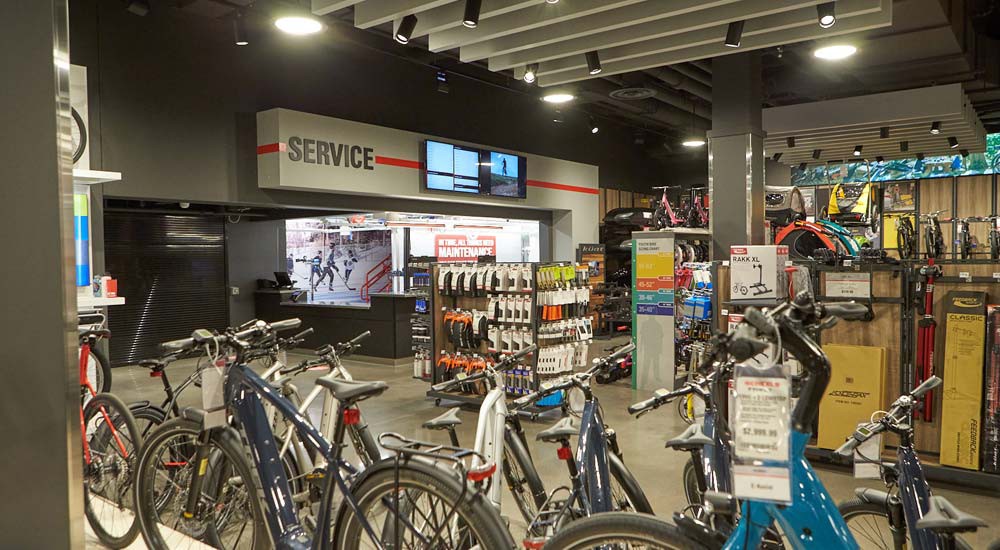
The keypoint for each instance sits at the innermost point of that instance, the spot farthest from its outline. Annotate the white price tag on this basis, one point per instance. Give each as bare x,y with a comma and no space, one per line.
965,275
868,458
212,398
760,404
725,312
849,285
848,263
762,483
996,275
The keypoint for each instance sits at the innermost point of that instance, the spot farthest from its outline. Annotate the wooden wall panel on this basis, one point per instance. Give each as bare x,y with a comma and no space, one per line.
974,194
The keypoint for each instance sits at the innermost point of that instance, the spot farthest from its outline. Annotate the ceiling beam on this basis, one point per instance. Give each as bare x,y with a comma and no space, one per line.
376,12
678,50
643,30
326,7
450,15
583,26
534,17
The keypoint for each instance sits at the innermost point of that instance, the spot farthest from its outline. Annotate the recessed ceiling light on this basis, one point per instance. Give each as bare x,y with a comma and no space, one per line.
298,25
693,142
835,52
551,1
558,97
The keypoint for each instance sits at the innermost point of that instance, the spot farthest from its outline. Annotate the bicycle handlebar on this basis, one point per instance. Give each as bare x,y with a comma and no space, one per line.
904,402
848,311
660,397
925,387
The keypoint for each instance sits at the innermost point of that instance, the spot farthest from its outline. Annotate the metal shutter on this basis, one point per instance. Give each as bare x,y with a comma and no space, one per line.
171,271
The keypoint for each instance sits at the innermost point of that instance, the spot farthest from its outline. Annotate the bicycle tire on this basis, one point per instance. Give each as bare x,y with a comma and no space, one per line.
904,239
227,456
630,489
855,511
615,529
147,417
106,522
416,478
82,146
995,245
519,473
692,491
100,378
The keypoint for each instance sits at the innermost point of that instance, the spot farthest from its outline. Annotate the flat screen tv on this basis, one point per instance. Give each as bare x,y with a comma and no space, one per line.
461,169
506,175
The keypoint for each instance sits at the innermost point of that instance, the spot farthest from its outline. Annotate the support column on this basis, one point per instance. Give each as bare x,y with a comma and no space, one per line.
39,411
736,153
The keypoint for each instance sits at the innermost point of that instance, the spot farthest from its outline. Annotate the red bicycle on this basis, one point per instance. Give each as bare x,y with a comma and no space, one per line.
111,444
664,216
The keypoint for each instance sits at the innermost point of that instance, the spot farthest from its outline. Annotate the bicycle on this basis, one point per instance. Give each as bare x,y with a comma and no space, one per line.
933,238
697,215
994,236
905,237
97,364
498,428
110,443
664,216
420,474
811,519
600,481
908,498
966,241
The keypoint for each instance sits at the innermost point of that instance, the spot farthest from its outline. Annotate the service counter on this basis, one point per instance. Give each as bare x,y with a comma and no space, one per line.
388,319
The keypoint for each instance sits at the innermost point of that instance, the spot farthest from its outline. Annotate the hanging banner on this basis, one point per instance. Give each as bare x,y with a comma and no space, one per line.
463,248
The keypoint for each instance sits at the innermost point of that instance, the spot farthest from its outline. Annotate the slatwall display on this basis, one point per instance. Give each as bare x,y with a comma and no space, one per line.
172,269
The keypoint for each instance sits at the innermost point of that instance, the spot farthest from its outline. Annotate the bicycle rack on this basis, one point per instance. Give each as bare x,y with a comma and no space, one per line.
550,513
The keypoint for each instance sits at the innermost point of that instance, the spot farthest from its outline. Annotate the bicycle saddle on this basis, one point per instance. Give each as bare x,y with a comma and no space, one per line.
943,517
89,333
351,391
564,429
692,438
445,421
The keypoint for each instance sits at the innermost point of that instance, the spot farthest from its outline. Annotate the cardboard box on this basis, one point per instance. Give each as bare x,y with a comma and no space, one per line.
991,432
757,272
962,390
857,380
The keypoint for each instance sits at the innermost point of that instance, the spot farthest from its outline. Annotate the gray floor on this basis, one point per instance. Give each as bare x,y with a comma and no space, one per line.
404,408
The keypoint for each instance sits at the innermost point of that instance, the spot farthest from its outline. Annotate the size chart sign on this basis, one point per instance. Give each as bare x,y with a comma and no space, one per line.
761,434
654,277
849,285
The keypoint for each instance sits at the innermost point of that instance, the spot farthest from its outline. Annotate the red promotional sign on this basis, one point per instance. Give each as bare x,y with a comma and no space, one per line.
463,248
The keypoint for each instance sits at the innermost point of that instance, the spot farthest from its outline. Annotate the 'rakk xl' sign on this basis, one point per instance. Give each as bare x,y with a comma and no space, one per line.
463,248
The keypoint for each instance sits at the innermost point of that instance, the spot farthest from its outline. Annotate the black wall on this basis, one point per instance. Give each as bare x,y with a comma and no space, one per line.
254,250
173,105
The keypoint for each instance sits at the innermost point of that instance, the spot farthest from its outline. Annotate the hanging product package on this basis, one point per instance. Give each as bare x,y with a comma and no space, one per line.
762,434
991,433
962,389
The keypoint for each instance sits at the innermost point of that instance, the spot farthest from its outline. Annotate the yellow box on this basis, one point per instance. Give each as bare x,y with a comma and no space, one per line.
962,387
857,377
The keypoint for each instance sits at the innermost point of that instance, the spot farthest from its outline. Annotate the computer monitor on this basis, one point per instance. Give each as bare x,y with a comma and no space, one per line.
284,281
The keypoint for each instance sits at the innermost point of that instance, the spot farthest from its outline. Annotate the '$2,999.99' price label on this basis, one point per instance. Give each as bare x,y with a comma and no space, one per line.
762,415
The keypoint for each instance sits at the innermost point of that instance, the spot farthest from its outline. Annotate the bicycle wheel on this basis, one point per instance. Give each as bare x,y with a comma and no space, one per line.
685,409
229,514
869,523
626,494
99,371
619,530
995,245
522,478
692,490
904,239
113,442
428,498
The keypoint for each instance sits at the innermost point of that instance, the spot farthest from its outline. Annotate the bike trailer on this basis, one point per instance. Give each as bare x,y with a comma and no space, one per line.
783,205
853,204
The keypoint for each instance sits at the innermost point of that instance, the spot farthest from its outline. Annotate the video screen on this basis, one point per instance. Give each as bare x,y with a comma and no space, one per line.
452,168
507,178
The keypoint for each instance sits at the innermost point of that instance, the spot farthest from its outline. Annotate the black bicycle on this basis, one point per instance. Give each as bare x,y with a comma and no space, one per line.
933,237
906,237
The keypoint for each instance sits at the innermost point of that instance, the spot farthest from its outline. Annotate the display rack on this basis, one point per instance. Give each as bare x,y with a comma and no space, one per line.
418,283
527,376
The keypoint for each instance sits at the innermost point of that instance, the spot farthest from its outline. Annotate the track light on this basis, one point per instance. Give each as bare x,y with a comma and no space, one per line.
530,73
802,167
883,132
920,156
816,153
594,128
472,9
880,158
776,157
936,127
904,146
405,29
558,117
790,142
593,62
442,80
826,14
964,152
551,1
734,34
857,150
952,142
137,7
240,30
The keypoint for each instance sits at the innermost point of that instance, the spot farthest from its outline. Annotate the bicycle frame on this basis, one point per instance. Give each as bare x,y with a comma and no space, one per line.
812,519
915,494
85,345
592,458
490,429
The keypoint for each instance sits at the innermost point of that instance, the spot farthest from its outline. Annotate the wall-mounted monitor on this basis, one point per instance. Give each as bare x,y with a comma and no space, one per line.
461,169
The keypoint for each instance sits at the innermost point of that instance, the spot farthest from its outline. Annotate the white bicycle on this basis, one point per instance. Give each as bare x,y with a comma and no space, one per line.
499,438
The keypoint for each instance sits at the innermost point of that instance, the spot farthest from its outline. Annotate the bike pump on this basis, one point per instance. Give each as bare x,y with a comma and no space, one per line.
926,329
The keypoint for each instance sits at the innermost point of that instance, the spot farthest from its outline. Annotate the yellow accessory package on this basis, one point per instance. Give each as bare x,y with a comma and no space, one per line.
857,380
962,390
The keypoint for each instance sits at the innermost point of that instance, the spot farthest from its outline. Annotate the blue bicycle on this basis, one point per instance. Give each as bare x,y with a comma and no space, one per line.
811,520
195,485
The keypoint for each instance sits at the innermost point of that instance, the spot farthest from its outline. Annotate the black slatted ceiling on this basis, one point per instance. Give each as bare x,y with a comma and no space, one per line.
171,271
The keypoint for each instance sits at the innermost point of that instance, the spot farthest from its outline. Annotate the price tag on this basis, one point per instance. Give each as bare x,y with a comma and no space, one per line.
212,398
848,263
725,263
725,312
868,458
849,285
788,263
965,275
996,275
762,431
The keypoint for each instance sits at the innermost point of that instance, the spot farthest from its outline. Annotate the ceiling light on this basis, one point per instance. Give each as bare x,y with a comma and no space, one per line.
298,25
138,7
964,152
776,157
904,146
936,127
826,14
952,142
551,1
880,158
472,9
791,142
530,73
734,34
857,150
240,30
920,156
835,52
442,80
802,167
558,117
593,62
883,132
816,153
405,29
558,97
594,128
693,142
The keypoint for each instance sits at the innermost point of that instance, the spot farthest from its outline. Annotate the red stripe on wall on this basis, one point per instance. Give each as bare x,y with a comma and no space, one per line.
271,148
402,163
563,187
